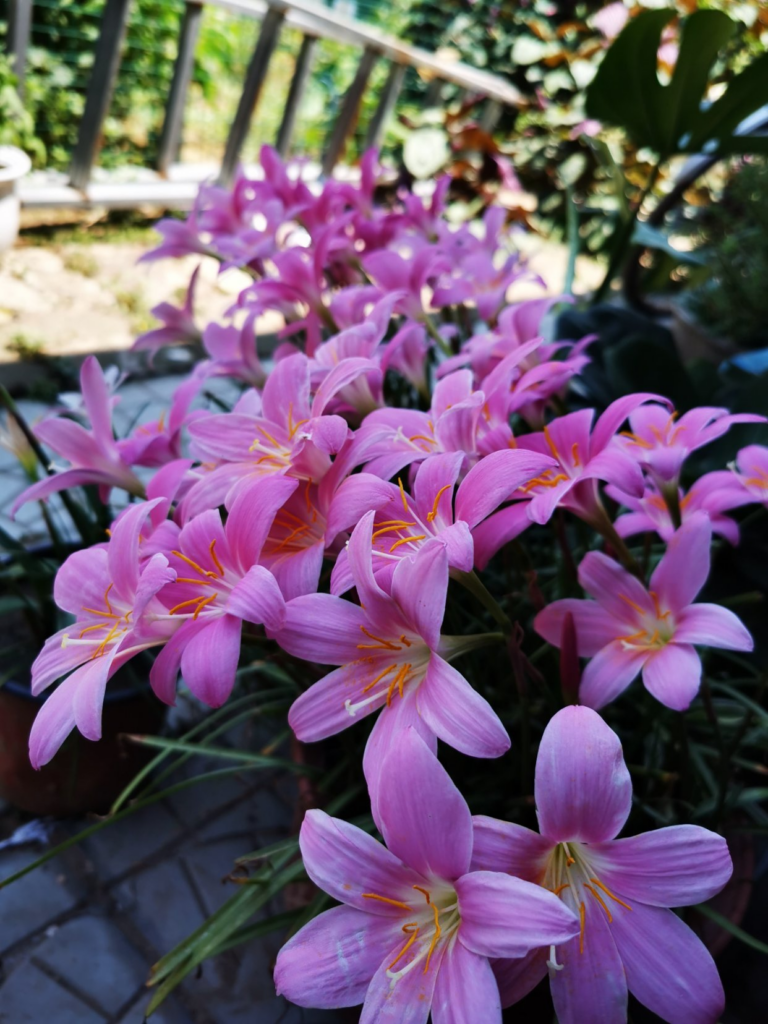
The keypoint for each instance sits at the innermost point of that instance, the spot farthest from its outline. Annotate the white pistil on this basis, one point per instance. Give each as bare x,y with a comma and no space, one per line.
552,963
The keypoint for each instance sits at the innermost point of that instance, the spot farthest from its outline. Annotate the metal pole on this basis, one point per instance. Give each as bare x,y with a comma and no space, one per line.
170,139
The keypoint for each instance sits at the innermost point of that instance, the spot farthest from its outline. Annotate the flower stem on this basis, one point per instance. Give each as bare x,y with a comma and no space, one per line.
436,336
472,582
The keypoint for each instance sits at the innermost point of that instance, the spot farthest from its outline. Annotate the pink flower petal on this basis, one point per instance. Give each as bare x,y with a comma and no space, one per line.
346,862
409,1000
82,581
609,673
504,846
425,819
613,417
165,668
673,675
516,978
465,986
493,533
323,629
96,399
683,570
321,711
713,626
390,725
330,962
592,985
457,713
595,628
53,723
668,968
502,916
298,572
209,660
257,598
670,867
250,518
420,587
378,605
583,790
494,480
614,588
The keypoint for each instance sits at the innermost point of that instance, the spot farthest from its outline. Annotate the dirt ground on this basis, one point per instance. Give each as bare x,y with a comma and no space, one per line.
69,299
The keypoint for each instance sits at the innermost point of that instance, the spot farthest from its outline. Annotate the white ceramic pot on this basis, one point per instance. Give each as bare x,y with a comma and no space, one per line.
14,164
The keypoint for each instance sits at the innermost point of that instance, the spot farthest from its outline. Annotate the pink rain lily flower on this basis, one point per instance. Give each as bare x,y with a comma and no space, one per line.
752,471
179,327
481,280
411,275
417,926
117,615
275,433
219,584
627,629
159,442
234,352
94,454
391,657
404,523
621,889
662,441
713,493
585,454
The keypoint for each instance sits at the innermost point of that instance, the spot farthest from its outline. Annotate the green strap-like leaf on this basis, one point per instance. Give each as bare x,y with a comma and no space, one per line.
746,93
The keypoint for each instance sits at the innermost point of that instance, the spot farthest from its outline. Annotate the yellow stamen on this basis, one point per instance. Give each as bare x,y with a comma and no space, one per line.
186,604
635,439
435,938
407,540
626,600
424,892
197,583
378,678
431,515
393,527
559,889
575,453
88,629
381,644
582,916
216,562
551,444
402,494
385,899
601,901
608,892
202,604
409,943
659,613
195,566
422,437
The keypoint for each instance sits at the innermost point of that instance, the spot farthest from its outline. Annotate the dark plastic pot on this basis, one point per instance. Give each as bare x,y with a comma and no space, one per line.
83,776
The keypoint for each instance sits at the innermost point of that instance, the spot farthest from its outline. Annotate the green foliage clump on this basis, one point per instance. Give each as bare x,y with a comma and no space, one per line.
733,302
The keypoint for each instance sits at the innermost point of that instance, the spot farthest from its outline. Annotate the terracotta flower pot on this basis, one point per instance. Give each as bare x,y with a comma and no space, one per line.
84,776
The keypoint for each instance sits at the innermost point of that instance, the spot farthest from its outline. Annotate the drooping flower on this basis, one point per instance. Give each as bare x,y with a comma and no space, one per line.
179,327
117,615
621,889
391,657
714,493
627,629
661,440
94,454
752,471
416,927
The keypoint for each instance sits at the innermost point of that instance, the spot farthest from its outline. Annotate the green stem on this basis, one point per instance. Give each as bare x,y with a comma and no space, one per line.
472,582
624,236
454,646
437,337
607,531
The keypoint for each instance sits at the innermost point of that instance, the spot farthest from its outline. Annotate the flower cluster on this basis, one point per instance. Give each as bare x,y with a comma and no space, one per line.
409,425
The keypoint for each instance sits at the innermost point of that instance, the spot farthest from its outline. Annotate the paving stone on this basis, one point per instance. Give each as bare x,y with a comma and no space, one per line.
125,843
162,904
171,1012
37,898
93,955
208,863
271,1011
31,997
